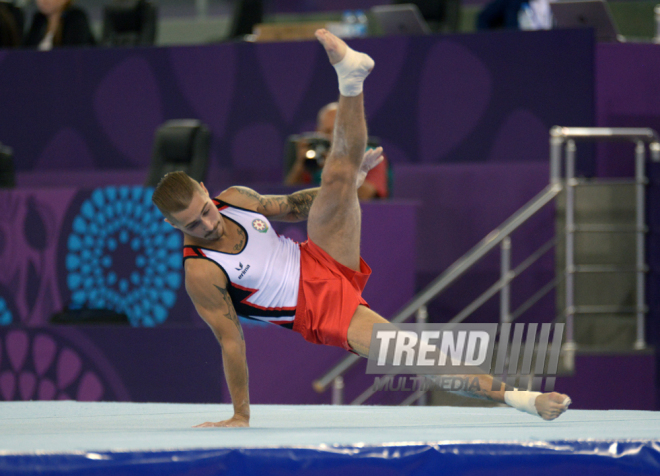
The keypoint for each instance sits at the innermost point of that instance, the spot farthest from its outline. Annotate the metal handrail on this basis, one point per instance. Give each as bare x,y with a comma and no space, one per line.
502,282
633,134
559,135
451,274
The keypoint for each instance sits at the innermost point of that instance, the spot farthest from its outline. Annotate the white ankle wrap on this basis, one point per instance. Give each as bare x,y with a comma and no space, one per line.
352,71
522,400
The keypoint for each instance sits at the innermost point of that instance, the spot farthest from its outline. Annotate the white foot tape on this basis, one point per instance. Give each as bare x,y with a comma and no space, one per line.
352,70
522,400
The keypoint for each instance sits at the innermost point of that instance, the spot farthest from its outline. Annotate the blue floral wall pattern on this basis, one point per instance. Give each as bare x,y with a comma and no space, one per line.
5,314
121,255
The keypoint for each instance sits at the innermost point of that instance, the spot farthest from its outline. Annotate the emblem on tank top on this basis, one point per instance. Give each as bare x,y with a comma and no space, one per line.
259,225
242,270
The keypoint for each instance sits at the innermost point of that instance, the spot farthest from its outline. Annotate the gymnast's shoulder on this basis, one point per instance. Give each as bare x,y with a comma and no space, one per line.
203,273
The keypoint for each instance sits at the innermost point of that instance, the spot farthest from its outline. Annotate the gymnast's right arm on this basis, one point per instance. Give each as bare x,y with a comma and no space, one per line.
207,287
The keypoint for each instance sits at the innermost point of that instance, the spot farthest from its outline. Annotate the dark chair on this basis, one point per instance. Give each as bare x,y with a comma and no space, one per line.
7,175
180,144
129,23
247,13
11,25
441,15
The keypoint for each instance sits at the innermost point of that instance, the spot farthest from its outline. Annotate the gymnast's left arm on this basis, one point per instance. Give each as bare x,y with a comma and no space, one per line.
296,206
290,208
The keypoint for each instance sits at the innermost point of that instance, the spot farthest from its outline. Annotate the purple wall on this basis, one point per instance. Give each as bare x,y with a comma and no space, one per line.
458,210
612,382
436,99
628,95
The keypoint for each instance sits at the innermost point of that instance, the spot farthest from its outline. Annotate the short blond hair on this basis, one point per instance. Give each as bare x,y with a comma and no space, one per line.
174,192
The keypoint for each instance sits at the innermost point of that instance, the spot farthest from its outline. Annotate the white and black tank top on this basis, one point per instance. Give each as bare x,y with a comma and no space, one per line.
264,277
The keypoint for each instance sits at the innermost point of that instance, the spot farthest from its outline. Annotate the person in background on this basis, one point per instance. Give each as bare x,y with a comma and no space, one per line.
516,15
374,186
500,14
58,23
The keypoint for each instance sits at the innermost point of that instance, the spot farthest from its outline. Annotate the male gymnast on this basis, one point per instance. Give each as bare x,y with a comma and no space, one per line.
235,263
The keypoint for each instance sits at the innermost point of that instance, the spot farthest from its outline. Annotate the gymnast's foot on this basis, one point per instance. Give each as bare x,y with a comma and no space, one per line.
352,67
551,405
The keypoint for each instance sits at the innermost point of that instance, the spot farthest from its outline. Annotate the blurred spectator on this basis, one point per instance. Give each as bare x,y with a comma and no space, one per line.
500,14
311,152
516,14
535,15
58,23
11,25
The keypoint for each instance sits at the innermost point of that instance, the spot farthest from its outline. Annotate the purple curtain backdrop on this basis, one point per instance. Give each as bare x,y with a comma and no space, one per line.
436,99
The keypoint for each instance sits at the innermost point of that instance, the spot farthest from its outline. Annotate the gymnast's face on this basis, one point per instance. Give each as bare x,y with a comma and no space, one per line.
201,219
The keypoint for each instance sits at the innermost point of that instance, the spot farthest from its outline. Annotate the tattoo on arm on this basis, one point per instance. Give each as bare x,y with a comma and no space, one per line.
239,245
300,203
483,390
267,205
231,313
480,394
294,207
263,202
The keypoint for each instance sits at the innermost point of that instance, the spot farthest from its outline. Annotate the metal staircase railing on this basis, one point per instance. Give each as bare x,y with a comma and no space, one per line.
560,138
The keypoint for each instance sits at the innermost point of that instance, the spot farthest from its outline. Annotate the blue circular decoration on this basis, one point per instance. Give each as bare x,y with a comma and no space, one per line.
121,255
5,314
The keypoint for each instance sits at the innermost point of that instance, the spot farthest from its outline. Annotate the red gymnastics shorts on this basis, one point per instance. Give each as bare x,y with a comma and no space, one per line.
328,296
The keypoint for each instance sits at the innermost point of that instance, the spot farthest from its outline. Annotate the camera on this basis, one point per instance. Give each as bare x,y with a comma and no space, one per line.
317,149
313,146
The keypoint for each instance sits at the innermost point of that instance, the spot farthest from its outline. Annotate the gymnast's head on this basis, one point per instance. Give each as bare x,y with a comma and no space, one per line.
186,205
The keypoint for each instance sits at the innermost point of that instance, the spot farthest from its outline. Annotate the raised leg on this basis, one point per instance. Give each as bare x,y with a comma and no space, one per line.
334,220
